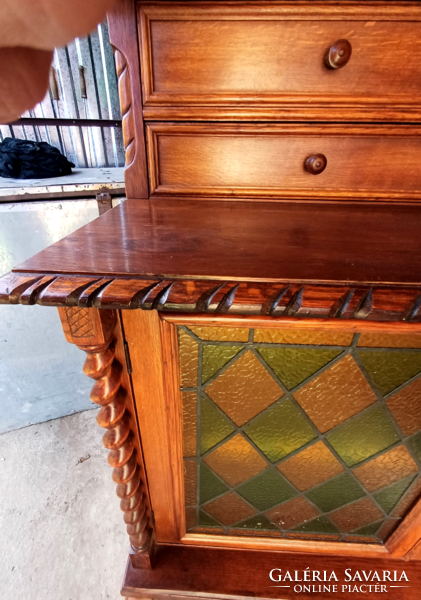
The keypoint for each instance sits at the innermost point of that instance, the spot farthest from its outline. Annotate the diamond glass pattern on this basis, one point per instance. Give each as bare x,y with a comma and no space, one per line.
266,490
311,466
387,468
215,357
229,509
280,430
214,425
391,369
244,389
300,433
337,394
235,461
294,365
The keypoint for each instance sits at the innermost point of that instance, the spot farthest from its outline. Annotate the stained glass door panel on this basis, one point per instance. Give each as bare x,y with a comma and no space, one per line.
300,434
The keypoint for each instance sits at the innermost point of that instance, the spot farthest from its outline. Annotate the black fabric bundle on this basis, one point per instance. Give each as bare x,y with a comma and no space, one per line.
24,159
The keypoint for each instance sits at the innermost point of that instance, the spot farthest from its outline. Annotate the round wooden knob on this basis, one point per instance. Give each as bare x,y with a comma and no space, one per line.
338,54
316,164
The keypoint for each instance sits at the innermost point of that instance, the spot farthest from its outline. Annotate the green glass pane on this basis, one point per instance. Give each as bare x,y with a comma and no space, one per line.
319,525
206,520
368,529
294,365
257,522
215,357
280,430
335,493
388,497
363,436
214,426
266,490
389,370
415,444
210,485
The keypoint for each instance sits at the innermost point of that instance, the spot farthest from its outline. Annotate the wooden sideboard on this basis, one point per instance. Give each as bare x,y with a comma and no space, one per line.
251,314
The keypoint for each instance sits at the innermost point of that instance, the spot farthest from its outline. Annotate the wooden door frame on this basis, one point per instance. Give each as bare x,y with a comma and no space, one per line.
153,347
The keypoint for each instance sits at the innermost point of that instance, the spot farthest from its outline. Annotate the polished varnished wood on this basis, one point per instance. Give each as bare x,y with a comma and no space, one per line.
244,241
272,166
122,28
233,58
219,573
156,392
384,305
99,334
363,162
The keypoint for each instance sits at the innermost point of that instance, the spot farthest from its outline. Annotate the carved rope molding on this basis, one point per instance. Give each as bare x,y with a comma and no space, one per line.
92,331
341,301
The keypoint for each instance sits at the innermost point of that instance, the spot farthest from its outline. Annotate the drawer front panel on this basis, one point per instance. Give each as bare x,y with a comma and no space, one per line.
272,57
377,162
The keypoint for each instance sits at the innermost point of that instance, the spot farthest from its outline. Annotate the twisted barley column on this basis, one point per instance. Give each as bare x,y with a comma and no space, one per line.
108,392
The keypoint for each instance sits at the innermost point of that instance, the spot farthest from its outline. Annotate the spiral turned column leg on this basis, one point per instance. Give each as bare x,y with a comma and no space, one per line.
92,330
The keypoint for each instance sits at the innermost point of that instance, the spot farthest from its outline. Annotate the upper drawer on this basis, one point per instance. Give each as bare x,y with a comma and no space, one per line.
214,159
263,60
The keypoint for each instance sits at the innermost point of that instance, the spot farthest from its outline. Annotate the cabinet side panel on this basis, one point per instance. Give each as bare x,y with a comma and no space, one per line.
152,354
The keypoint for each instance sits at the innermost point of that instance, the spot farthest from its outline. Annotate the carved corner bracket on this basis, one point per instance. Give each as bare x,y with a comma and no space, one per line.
93,331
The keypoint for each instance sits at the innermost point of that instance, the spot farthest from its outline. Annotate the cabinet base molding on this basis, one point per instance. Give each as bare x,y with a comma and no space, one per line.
185,572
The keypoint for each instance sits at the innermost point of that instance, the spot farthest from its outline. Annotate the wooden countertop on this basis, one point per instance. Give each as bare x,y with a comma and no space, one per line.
276,258
244,241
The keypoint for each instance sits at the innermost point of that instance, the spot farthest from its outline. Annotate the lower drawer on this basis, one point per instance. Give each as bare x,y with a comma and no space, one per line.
355,162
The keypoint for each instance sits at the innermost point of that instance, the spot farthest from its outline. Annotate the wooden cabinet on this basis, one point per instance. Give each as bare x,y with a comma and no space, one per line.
252,313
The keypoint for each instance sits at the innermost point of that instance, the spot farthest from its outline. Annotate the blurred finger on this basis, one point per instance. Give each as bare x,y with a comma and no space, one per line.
23,80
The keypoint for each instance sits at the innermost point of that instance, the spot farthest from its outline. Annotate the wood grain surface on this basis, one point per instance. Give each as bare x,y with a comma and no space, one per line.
220,573
266,242
239,55
122,27
363,161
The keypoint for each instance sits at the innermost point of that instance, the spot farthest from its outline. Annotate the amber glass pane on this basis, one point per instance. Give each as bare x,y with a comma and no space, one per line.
244,389
221,334
292,513
190,482
337,394
189,423
235,461
189,359
285,433
387,468
295,336
229,509
311,466
356,515
405,407
390,340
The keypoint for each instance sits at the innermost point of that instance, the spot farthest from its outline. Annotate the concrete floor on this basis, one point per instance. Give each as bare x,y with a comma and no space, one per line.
62,535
